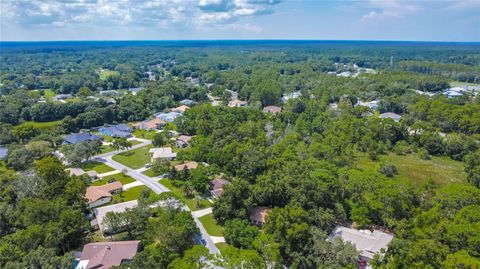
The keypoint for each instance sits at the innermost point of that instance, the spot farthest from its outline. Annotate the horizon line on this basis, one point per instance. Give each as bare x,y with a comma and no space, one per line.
206,40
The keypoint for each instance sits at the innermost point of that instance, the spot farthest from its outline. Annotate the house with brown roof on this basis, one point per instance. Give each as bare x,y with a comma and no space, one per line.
180,109
183,141
217,186
237,103
258,215
155,124
103,255
100,195
188,165
272,109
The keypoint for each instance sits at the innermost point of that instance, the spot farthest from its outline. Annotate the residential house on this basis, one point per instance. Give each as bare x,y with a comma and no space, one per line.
373,105
100,195
155,124
237,103
390,115
187,102
168,117
453,94
101,212
217,186
3,152
61,97
80,172
134,91
180,109
258,215
162,153
119,130
272,109
188,165
292,95
183,141
104,255
367,242
80,137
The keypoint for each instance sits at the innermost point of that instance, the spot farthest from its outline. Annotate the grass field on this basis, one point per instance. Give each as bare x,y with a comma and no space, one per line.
131,194
221,246
459,84
44,125
442,170
105,73
149,173
190,202
210,224
144,134
118,177
136,158
99,167
107,148
49,94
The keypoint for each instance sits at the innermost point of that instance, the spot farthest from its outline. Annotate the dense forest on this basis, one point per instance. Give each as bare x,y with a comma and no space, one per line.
323,160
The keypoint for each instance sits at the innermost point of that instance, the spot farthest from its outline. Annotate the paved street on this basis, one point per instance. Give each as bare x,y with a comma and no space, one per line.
157,187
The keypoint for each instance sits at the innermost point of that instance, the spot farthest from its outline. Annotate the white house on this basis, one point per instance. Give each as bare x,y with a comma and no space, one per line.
163,153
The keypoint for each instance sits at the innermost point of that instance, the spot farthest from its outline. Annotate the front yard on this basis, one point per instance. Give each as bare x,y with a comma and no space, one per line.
144,134
130,194
117,177
98,167
135,159
210,224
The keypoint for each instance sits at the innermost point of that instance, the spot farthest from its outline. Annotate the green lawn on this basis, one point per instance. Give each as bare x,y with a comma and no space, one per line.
130,194
44,125
4,169
410,167
118,177
149,173
210,224
105,73
136,158
107,148
99,167
460,84
221,246
144,134
190,202
49,94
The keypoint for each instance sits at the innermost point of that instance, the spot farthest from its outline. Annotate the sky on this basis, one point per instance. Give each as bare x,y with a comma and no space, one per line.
420,20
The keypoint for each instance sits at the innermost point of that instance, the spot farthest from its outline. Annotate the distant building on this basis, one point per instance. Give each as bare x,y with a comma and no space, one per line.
168,117
390,115
183,141
367,242
100,195
373,105
119,130
80,137
237,103
134,91
180,109
3,152
103,255
258,215
217,186
61,97
453,94
187,102
345,74
162,153
155,124
292,95
188,165
272,109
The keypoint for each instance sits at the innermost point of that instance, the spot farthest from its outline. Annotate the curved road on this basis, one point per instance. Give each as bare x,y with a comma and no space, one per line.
156,187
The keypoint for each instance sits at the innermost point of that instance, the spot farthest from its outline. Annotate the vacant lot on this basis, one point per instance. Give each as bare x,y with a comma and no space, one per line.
441,169
98,167
190,202
136,158
105,73
117,177
210,224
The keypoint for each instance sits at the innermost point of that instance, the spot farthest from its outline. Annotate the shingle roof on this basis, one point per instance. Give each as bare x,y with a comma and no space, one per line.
272,109
184,138
165,153
80,137
3,152
94,193
103,255
259,214
189,165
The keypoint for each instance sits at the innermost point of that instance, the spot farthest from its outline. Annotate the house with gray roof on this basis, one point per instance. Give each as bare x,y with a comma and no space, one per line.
119,130
80,137
390,115
3,152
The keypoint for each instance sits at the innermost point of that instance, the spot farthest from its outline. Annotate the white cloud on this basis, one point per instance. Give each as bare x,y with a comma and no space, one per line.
164,13
385,9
